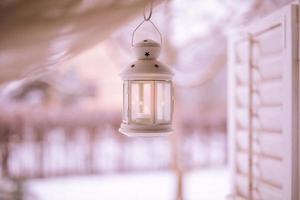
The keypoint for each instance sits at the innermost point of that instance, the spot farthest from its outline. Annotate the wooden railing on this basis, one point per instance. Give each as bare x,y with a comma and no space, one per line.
40,143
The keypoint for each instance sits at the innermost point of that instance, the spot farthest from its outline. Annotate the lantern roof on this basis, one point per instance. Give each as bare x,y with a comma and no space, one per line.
147,70
147,67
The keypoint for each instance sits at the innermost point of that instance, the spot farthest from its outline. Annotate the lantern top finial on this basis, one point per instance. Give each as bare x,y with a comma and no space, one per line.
147,43
147,49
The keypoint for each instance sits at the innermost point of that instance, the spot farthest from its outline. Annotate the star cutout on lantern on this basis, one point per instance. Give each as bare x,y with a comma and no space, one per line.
147,54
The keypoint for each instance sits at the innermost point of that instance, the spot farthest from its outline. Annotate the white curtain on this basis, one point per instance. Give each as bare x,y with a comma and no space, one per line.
36,35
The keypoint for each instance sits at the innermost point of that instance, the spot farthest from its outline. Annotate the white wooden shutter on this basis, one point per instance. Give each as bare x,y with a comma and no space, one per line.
263,108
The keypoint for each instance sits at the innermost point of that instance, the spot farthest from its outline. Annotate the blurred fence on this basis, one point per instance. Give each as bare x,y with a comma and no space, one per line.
40,142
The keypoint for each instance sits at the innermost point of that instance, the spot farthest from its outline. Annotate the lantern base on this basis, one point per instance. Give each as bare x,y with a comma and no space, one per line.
145,130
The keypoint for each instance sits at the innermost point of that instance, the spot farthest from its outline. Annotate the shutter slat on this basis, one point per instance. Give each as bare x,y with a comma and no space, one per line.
265,143
267,170
261,190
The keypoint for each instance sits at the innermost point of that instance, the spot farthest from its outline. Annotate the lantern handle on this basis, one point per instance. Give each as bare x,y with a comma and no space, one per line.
146,19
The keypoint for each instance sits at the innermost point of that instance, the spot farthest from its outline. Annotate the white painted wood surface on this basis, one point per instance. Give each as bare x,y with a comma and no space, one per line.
272,58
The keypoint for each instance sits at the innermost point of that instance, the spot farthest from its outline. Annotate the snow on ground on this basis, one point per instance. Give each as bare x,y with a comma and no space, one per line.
207,184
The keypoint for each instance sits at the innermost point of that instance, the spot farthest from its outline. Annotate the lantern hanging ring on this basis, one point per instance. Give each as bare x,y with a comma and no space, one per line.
146,19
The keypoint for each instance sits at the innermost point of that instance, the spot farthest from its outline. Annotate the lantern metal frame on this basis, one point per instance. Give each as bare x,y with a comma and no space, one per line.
153,113
147,69
154,127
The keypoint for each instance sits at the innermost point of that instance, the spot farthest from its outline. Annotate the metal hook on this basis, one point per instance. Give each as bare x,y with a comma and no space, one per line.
150,13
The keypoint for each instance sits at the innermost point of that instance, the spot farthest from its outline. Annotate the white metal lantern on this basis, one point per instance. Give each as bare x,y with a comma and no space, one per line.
147,93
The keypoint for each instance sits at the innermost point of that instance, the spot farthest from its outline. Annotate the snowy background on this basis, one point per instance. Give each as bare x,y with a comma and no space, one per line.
212,184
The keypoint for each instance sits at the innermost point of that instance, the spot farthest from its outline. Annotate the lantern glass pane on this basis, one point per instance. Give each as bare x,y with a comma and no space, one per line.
125,101
141,102
163,102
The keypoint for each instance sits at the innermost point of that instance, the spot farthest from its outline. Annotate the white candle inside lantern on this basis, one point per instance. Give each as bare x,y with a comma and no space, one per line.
143,118
141,92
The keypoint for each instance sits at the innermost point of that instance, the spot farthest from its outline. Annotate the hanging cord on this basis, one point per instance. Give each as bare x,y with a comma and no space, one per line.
147,18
